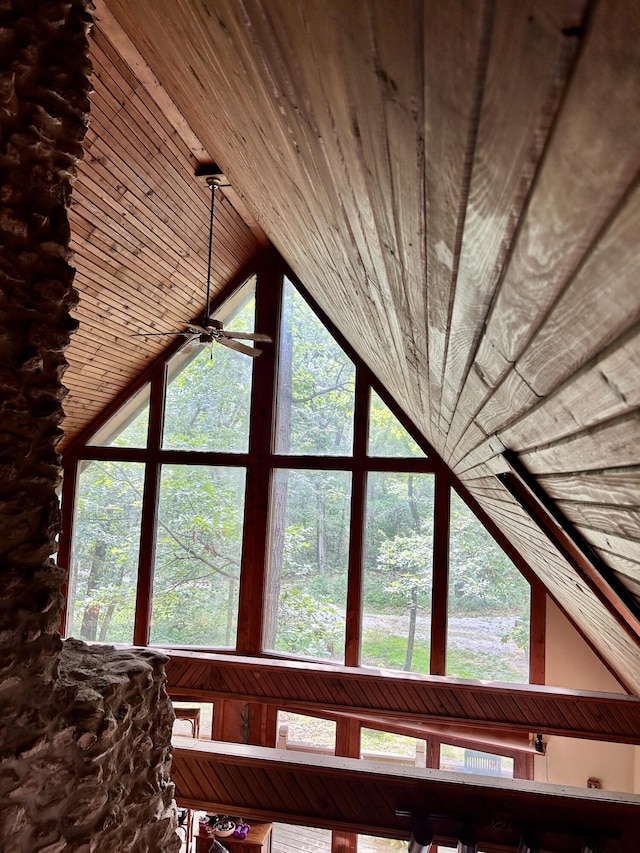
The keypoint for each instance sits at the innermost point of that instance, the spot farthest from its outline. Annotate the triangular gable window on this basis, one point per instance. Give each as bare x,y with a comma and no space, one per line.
283,505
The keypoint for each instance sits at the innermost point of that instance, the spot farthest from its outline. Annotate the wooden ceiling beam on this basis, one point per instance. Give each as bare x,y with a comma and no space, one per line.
406,696
368,797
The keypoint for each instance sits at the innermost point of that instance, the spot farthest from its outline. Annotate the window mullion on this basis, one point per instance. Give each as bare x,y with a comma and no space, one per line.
256,519
356,538
440,589
148,525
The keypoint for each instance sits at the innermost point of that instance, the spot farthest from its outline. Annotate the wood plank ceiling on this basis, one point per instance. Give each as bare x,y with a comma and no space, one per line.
456,184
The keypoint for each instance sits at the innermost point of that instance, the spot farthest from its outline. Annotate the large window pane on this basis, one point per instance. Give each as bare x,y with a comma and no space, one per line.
197,564
488,634
316,384
398,571
104,570
305,604
209,392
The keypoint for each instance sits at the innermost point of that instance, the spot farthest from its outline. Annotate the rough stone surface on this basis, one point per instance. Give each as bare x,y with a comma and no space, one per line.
98,777
84,731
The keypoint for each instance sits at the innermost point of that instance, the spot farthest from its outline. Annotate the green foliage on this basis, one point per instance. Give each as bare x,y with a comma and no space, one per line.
197,567
520,633
387,436
481,576
208,396
316,387
309,626
107,538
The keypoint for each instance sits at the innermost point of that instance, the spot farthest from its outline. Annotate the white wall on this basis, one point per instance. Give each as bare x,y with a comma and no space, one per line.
571,663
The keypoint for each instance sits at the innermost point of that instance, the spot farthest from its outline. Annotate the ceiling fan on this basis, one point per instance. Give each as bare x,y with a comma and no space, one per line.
205,329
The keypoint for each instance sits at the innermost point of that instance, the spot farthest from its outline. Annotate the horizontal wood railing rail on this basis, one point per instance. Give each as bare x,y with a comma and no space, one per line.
360,796
405,696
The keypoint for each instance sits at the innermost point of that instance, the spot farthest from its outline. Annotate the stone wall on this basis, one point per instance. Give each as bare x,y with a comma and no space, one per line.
84,732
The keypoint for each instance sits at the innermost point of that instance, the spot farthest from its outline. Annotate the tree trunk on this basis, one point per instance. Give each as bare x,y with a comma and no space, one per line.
321,545
413,614
89,627
280,484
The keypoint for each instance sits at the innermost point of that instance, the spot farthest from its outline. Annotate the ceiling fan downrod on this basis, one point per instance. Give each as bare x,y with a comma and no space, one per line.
213,182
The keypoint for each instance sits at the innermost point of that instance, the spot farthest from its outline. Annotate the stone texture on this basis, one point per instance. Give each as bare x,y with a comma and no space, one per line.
84,731
98,777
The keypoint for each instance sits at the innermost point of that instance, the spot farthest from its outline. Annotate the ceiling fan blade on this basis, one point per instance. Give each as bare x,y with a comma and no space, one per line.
246,336
238,347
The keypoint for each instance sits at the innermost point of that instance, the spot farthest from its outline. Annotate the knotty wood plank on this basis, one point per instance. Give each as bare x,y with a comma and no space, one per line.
404,696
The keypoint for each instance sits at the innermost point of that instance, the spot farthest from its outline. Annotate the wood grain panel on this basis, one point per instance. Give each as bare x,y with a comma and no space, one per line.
515,708
458,31
579,326
612,543
362,796
589,449
139,227
593,156
612,379
599,517
517,111
619,486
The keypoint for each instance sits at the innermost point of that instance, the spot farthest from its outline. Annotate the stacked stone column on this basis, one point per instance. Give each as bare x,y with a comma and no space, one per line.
84,733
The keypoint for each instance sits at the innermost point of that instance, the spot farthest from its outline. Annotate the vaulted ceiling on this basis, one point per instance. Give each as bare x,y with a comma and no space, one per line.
457,186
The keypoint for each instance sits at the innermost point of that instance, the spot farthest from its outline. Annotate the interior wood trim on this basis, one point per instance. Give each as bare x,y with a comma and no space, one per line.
256,518
144,586
440,591
538,634
368,797
407,696
595,574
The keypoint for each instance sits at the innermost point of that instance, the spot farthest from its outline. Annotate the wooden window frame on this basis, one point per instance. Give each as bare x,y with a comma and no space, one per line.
260,461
